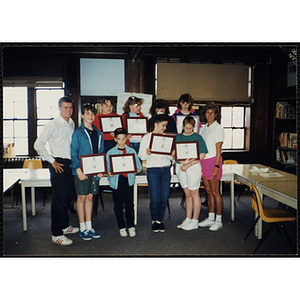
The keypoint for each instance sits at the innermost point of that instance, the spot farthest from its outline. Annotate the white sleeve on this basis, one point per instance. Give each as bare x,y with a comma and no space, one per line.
219,134
40,143
144,145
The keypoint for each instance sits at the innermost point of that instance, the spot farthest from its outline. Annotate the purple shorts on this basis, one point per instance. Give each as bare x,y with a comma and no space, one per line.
208,166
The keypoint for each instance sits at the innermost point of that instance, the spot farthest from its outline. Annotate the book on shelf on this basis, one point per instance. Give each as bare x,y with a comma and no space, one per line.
284,110
288,140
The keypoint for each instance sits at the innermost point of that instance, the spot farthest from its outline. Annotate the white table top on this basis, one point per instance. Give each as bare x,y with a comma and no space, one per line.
11,176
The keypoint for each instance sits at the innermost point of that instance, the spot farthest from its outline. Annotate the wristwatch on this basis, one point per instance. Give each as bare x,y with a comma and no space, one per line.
217,166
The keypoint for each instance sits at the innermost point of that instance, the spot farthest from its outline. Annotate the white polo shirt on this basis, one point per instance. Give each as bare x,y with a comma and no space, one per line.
212,134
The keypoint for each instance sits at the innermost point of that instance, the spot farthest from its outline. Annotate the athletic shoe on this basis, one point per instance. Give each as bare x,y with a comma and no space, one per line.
61,240
123,232
93,234
161,227
155,227
132,232
206,223
70,230
193,224
185,222
84,235
216,226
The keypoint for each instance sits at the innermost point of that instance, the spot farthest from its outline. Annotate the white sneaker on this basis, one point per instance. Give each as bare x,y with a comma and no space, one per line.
185,222
70,230
206,223
216,226
132,232
123,232
61,240
193,224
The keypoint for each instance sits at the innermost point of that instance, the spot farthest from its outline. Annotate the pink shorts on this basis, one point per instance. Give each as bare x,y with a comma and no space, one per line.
208,166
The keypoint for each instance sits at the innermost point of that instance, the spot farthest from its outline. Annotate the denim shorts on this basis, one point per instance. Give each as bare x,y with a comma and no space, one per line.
87,186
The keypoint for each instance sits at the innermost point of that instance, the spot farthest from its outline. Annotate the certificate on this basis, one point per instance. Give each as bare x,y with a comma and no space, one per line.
122,164
179,122
137,125
162,143
184,150
109,123
93,164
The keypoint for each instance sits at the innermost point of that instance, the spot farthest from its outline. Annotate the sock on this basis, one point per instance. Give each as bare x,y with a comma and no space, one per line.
211,216
219,218
82,226
88,225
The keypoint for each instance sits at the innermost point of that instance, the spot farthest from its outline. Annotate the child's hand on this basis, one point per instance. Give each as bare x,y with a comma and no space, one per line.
188,161
80,174
112,134
109,174
173,153
148,151
183,168
100,175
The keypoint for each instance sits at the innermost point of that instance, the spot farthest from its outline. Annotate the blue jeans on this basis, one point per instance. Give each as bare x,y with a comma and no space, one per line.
159,190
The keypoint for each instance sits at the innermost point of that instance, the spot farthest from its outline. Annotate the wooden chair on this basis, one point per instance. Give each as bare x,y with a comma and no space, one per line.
271,216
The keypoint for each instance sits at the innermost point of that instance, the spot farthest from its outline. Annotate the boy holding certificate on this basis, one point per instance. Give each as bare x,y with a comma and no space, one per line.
86,139
122,185
189,175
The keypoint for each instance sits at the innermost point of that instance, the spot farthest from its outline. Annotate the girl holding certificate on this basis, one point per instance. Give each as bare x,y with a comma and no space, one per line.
158,174
132,108
213,135
189,175
107,106
86,139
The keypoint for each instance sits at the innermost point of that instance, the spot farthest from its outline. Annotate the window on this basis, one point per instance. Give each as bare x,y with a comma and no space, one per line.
235,121
15,118
19,117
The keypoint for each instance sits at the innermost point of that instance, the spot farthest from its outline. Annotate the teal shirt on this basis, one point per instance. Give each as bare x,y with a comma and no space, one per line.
193,137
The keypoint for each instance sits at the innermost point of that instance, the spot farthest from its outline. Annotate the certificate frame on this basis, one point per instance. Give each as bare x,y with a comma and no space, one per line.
108,128
99,161
179,123
192,148
117,160
161,142
140,122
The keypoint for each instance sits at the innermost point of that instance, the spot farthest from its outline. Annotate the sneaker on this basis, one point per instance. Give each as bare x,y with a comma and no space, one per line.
93,234
132,232
123,232
206,223
84,235
161,227
70,230
193,224
185,222
61,240
216,226
155,227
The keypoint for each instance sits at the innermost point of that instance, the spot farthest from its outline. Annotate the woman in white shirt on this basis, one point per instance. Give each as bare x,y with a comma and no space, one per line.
213,135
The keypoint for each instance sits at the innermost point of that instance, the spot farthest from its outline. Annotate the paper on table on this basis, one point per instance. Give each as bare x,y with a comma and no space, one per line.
259,170
271,175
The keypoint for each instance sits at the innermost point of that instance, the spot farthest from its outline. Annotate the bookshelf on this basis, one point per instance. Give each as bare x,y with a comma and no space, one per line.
285,129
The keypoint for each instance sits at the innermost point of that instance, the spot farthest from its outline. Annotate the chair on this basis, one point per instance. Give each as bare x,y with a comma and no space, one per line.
35,164
234,162
271,216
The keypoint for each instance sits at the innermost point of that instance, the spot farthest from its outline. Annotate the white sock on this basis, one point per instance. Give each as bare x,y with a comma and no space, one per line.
82,226
219,218
88,225
195,221
211,216
188,219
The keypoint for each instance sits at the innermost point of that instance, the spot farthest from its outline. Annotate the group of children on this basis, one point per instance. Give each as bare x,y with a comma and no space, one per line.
87,139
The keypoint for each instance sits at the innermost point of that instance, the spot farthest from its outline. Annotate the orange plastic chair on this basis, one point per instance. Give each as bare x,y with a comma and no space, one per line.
271,216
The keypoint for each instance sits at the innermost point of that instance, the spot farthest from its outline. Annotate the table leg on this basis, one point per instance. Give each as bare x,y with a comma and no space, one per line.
135,195
33,200
24,208
232,197
258,226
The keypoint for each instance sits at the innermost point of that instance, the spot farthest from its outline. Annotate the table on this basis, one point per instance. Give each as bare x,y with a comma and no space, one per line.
41,178
11,176
282,189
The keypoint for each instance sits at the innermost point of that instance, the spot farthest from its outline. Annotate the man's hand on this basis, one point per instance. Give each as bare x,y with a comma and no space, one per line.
57,167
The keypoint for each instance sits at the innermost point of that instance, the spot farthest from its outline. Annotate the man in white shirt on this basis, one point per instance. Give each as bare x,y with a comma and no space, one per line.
58,133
